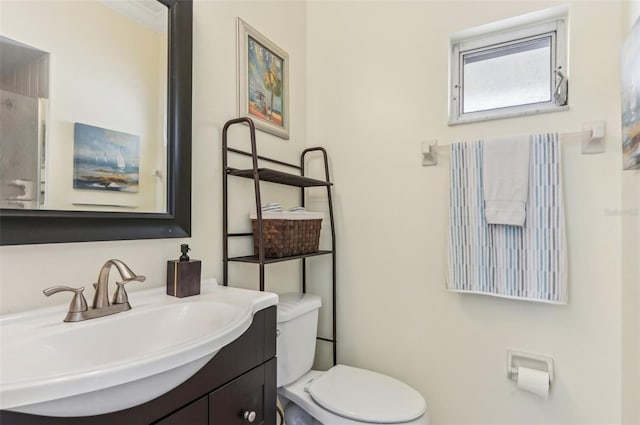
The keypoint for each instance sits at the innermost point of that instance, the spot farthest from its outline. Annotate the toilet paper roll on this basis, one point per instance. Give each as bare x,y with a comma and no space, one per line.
534,381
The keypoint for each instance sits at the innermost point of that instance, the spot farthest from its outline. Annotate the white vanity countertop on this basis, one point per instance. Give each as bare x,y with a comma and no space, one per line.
102,365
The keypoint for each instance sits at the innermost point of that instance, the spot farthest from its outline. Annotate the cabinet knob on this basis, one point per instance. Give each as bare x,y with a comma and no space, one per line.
250,416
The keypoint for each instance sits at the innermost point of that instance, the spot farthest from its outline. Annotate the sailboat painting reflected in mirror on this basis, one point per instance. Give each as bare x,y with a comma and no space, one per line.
105,159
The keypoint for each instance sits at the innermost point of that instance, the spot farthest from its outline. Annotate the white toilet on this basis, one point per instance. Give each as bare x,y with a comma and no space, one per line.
343,395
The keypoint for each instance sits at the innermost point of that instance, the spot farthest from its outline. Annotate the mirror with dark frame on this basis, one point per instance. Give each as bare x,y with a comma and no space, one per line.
118,168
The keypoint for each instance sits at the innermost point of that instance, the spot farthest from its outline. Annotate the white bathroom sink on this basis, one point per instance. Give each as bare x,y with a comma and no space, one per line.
52,368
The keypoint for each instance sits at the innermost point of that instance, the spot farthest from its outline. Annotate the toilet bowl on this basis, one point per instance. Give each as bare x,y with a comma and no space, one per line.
343,395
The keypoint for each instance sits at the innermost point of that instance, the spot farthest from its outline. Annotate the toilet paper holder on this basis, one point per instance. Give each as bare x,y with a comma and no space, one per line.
517,359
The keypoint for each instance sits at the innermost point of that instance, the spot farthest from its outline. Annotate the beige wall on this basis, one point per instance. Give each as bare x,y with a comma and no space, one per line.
26,270
377,88
89,42
630,211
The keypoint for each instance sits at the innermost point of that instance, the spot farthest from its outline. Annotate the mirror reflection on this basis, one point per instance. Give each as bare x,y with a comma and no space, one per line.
83,105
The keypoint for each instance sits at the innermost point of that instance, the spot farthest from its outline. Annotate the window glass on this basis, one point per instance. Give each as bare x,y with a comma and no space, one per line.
517,74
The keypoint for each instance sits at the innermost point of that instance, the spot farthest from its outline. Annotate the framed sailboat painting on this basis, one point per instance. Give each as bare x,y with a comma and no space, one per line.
105,159
630,79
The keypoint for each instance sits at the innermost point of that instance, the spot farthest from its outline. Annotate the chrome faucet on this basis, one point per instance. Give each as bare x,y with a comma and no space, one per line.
78,309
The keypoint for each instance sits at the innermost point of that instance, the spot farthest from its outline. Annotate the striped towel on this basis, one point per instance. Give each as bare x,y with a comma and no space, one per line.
527,262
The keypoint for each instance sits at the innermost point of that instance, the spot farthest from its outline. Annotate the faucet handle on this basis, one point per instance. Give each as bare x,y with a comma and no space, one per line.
78,302
120,296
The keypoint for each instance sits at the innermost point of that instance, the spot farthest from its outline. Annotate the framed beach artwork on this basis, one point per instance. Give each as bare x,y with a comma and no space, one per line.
630,79
105,159
263,81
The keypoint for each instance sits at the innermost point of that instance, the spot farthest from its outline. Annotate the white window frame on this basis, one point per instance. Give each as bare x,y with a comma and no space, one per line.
487,38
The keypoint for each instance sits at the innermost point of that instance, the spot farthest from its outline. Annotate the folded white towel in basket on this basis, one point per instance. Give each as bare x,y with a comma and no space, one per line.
505,179
272,206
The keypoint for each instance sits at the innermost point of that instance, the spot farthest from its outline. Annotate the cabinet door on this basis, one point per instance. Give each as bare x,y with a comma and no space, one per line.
196,413
249,399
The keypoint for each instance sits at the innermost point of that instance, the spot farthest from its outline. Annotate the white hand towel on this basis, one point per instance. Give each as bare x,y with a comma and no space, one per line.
505,179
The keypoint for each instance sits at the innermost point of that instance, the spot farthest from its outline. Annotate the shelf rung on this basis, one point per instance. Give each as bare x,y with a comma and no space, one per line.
264,158
254,259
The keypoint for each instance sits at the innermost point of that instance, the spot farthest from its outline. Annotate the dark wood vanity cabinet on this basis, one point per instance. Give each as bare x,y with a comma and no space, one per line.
237,385
196,413
244,400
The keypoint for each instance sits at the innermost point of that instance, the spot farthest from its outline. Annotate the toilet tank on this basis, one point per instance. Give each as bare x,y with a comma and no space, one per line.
297,329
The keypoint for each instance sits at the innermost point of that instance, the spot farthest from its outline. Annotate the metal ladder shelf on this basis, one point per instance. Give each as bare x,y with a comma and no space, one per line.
273,176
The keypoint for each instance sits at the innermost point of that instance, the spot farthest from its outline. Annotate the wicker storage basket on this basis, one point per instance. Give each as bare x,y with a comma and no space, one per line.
287,233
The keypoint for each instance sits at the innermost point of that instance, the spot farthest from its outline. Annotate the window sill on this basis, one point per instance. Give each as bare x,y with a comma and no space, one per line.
514,114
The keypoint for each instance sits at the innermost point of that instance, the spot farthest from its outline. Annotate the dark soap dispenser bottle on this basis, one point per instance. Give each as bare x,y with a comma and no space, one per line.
183,275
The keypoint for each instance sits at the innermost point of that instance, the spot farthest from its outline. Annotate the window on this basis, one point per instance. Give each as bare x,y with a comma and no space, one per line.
514,71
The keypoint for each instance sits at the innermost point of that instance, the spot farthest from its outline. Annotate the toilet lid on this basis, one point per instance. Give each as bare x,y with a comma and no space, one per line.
366,396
